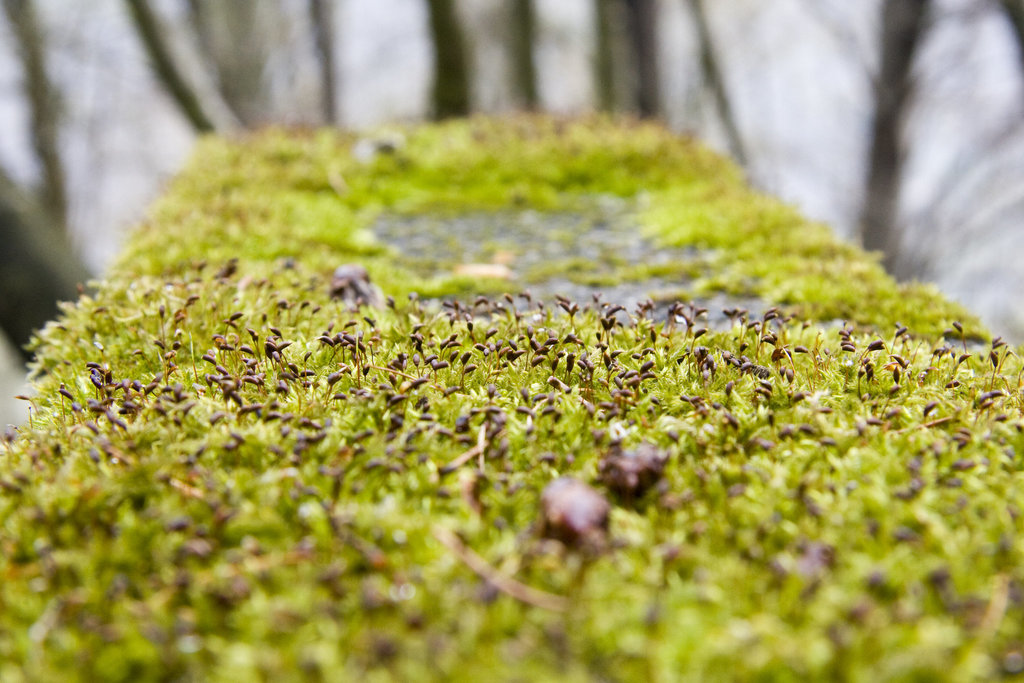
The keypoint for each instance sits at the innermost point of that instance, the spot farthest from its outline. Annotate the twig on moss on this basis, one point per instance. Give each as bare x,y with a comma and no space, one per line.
185,489
392,371
996,606
928,425
505,584
478,449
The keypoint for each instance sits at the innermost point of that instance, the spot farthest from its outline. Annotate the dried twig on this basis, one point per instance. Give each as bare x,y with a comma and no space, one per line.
185,489
477,450
505,584
996,606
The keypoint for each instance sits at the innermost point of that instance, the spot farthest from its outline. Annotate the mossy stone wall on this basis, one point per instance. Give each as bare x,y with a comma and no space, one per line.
231,474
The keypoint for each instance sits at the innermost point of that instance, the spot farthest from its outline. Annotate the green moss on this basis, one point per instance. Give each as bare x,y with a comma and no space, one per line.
216,483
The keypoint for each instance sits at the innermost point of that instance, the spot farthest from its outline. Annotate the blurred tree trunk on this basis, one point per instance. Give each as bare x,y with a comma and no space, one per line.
35,271
713,79
615,56
451,68
44,108
524,70
1015,14
604,61
201,106
643,31
237,38
903,23
321,14
37,265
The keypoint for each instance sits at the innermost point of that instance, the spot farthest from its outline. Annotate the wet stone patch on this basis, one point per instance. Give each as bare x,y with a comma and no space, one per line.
587,256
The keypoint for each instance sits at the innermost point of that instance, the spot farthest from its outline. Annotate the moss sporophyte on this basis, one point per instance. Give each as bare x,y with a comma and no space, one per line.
784,465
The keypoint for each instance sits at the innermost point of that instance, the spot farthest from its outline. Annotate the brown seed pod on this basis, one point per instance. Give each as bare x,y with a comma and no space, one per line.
631,473
574,513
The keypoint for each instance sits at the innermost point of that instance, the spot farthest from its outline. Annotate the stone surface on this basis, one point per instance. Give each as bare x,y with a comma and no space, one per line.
600,254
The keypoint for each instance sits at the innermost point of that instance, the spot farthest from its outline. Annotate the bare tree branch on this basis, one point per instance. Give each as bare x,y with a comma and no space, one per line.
451,68
44,107
321,14
524,70
903,23
713,78
197,106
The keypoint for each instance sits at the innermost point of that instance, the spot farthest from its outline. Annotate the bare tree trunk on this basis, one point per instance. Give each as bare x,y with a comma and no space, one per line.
321,15
713,79
524,71
643,26
1014,10
238,38
903,23
451,68
604,61
37,265
198,107
44,107
35,271
198,20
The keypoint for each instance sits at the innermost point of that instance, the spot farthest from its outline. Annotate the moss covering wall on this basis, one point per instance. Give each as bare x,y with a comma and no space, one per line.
230,475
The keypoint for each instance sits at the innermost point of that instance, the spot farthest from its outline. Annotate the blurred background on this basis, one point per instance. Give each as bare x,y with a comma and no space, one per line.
898,122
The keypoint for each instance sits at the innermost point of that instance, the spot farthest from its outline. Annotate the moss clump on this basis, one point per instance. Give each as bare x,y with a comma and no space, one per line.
229,475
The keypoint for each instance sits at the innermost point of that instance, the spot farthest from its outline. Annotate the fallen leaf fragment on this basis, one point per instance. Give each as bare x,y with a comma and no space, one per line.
498,271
